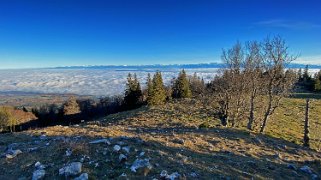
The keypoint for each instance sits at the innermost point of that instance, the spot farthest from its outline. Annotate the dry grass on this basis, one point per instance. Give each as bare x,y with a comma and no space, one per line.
170,137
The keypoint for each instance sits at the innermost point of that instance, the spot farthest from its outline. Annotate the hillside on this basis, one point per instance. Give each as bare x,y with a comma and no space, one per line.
166,138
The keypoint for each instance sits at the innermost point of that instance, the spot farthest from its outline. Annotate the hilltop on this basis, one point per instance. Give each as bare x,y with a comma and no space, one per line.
172,138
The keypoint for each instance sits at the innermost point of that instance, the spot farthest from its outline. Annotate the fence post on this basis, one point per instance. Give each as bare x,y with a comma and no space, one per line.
306,137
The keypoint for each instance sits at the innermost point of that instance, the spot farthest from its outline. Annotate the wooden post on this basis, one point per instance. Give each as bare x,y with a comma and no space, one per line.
306,137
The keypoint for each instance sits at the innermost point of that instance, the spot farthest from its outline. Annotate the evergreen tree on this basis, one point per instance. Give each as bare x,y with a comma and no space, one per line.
157,92
149,87
197,85
317,85
133,92
300,74
181,87
306,77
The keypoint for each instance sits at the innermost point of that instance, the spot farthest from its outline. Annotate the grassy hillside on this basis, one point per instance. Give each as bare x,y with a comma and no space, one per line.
170,138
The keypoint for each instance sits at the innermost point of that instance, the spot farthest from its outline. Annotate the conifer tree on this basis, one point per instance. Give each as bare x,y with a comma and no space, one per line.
306,77
317,85
133,92
181,87
156,91
149,87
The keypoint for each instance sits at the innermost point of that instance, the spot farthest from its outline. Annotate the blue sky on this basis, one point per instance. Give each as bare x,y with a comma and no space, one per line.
48,33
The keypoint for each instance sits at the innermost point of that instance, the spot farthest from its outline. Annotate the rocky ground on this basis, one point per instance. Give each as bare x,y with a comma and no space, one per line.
153,143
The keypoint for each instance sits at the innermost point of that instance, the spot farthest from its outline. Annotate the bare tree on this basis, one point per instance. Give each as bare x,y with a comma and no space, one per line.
253,74
277,83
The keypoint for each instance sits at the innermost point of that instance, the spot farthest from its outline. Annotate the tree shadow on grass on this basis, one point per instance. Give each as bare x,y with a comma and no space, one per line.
188,162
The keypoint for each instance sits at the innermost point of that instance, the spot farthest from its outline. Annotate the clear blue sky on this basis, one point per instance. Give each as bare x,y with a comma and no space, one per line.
76,32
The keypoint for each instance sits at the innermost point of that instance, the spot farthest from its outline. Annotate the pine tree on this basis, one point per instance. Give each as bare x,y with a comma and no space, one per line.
149,87
156,90
306,77
300,74
181,87
317,85
133,92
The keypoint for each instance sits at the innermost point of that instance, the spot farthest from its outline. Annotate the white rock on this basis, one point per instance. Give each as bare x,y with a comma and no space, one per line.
43,137
122,158
126,149
163,174
13,153
140,163
83,176
71,170
142,153
38,174
100,141
173,176
68,152
117,148
193,174
39,166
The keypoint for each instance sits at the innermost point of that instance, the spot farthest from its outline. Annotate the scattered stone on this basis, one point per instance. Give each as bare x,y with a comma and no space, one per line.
71,170
38,174
142,165
83,176
43,137
292,166
126,149
163,174
142,153
96,165
173,176
39,166
32,149
98,141
116,148
122,158
13,153
193,174
306,169
68,152
314,177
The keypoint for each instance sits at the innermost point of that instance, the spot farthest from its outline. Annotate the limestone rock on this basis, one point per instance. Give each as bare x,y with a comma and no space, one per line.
71,170
38,174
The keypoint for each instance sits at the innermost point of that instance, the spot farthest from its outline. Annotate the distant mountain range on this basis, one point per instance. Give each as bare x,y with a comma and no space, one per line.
168,66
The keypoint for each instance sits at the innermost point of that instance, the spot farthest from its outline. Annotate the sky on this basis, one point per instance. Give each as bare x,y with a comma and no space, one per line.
50,33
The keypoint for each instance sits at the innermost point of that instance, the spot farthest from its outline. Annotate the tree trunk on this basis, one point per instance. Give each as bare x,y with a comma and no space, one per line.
306,137
251,117
268,110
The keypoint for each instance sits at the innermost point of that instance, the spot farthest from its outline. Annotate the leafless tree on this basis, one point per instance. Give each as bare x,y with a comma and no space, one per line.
277,82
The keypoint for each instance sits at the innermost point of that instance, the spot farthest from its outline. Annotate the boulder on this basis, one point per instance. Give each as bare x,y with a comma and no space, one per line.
38,174
141,165
12,153
83,176
116,148
71,170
